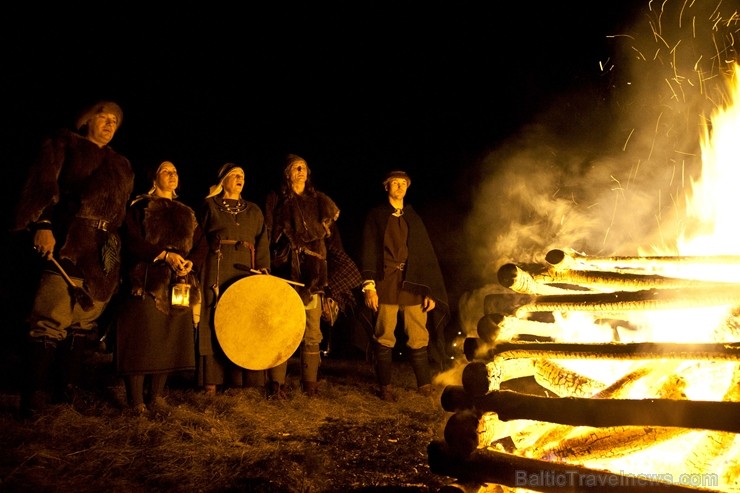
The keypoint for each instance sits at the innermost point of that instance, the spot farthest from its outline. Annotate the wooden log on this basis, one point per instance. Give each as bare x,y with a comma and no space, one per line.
471,347
489,466
476,379
488,327
461,432
455,398
479,377
552,281
463,487
577,411
580,444
570,259
729,351
497,327
619,302
520,281
562,381
517,434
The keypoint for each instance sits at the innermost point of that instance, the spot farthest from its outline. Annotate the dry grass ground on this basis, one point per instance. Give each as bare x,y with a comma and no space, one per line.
346,440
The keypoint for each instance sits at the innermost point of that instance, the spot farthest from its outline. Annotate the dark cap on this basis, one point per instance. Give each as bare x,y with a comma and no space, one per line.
397,174
97,108
226,169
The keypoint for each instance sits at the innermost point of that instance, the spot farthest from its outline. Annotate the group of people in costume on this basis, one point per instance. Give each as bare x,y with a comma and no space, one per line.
97,245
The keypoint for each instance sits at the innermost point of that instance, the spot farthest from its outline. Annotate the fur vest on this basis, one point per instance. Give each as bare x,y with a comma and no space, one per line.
153,225
306,221
73,178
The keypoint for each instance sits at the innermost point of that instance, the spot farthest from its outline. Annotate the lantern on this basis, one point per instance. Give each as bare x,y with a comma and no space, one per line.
181,292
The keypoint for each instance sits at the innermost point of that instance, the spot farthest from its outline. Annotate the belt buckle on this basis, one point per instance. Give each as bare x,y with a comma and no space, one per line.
402,266
102,224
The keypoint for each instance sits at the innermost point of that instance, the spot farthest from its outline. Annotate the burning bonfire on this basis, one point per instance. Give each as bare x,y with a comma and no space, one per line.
613,373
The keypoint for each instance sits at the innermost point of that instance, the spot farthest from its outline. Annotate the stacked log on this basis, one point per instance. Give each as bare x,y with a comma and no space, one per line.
521,411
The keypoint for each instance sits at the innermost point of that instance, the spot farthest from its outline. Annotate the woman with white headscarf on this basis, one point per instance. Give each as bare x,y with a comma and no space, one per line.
235,232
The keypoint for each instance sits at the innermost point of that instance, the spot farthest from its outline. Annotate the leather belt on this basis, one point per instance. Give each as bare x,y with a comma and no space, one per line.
236,242
100,224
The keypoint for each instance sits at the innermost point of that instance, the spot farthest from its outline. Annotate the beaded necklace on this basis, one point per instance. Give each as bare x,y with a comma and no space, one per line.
231,206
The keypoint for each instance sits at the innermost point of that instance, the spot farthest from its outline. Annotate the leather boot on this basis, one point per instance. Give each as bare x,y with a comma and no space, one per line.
310,361
386,394
419,359
276,391
383,364
383,369
70,354
311,389
38,360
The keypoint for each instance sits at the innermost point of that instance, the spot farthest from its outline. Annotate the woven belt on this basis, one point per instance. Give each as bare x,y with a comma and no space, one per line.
100,224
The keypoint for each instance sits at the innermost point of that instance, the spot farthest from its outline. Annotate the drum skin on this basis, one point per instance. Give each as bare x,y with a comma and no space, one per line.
260,321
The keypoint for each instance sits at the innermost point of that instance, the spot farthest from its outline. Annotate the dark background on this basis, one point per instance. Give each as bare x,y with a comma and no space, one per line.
357,89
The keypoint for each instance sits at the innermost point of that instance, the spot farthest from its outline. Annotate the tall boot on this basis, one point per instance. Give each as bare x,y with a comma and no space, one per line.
310,361
69,361
420,364
39,356
383,370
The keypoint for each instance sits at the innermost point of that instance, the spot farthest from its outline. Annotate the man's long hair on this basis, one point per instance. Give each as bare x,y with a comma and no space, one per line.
285,187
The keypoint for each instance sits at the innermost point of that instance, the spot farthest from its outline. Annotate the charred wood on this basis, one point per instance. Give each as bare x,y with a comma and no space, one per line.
707,415
567,281
488,466
717,294
637,350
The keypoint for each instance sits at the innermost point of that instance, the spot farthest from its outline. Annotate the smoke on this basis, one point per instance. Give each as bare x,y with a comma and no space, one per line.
605,170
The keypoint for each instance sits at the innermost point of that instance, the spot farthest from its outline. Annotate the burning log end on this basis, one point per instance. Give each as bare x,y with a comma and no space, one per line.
488,328
475,378
554,257
455,398
461,432
470,347
507,275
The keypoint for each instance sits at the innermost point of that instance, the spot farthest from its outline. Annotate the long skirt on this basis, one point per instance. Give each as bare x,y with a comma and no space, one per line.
149,341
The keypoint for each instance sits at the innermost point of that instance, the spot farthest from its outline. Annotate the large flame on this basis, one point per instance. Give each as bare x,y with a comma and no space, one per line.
671,454
715,199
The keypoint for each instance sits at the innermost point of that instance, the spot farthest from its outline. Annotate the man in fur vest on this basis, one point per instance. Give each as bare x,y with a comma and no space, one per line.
401,273
72,203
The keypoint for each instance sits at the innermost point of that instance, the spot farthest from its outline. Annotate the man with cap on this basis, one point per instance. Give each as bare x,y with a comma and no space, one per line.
401,273
72,204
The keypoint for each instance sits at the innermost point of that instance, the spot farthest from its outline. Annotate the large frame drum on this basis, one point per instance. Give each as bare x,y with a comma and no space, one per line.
260,321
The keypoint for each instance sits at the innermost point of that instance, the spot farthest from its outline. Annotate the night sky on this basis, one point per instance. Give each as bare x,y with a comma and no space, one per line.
357,89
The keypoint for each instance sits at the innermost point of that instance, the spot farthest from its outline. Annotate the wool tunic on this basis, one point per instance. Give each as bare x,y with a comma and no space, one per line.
235,233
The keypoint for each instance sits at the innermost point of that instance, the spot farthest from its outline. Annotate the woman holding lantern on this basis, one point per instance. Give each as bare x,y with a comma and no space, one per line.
160,301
